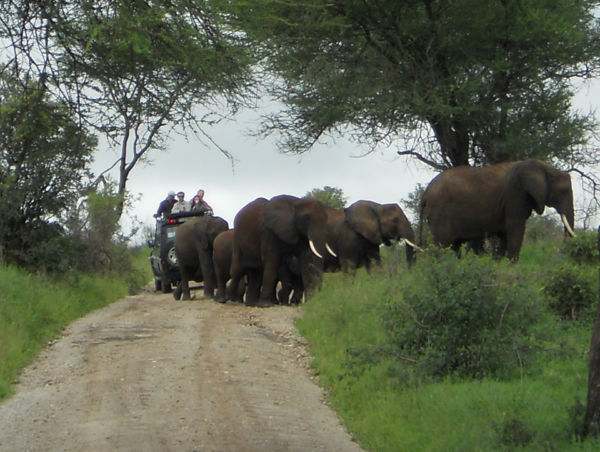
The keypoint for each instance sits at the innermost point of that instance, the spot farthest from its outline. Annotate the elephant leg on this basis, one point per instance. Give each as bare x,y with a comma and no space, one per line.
177,291
253,287
233,294
208,274
456,247
514,240
476,245
236,272
298,291
311,273
499,246
373,257
269,283
283,294
286,280
183,287
221,277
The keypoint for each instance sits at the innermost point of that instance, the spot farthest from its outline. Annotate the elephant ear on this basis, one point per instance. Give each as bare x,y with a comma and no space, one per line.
363,217
279,218
200,232
533,180
215,226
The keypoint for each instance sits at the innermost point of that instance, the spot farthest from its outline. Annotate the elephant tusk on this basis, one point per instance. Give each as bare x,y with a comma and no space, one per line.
314,250
409,243
567,227
330,250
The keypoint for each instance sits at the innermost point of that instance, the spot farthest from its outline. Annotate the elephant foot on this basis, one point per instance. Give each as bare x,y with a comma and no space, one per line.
219,299
177,293
264,304
296,300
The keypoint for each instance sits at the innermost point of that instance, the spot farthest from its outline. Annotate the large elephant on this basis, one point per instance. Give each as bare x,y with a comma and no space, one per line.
466,204
194,249
356,233
267,233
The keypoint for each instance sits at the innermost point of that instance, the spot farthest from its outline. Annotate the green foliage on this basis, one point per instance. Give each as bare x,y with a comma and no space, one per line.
541,228
459,318
330,196
486,88
569,292
584,247
389,404
413,203
44,158
35,308
133,70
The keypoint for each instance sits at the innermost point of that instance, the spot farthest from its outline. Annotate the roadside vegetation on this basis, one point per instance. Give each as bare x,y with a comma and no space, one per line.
462,354
36,307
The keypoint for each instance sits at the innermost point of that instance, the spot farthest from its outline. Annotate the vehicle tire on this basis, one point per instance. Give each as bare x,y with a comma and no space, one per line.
157,285
166,285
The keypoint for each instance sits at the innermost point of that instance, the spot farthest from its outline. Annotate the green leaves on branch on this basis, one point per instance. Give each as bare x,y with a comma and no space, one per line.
451,86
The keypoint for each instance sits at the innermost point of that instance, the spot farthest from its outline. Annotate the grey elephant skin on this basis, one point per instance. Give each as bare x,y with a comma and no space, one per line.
269,233
465,204
194,249
356,233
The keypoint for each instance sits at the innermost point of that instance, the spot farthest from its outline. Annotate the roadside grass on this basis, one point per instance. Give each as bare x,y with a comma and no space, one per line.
34,308
388,406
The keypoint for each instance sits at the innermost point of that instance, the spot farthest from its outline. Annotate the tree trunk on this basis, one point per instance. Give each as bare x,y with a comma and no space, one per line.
591,423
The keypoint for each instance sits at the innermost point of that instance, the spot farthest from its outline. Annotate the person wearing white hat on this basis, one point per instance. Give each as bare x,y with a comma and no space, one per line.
166,205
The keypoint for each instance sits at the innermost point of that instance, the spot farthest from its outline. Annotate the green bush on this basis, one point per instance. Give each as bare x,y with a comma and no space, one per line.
583,248
541,228
569,292
455,317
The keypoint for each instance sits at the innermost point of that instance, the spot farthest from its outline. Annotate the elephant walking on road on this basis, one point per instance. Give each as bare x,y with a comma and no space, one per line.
356,233
466,204
267,233
194,249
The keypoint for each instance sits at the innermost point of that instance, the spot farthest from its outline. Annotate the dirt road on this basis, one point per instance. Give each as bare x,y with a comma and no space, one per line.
151,374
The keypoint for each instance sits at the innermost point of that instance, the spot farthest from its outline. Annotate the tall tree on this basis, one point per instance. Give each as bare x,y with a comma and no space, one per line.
331,196
133,69
44,159
462,82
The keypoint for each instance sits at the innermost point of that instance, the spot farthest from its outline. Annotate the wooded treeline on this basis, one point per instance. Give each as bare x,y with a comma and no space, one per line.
471,82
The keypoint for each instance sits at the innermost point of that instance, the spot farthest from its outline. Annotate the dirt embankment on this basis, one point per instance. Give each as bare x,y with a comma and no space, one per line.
151,374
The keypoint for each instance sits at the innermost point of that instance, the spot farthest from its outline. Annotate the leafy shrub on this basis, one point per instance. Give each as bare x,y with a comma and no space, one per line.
455,317
514,433
569,292
583,248
541,228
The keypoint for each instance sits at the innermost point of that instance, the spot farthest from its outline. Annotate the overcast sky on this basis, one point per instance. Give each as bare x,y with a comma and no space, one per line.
260,170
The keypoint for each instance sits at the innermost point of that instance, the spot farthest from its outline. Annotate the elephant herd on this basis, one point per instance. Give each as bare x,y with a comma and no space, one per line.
284,242
287,242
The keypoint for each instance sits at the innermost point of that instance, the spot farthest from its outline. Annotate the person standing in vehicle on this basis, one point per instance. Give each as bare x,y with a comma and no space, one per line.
200,205
166,205
181,205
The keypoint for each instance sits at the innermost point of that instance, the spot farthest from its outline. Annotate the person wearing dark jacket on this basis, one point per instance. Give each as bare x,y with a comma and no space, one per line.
165,206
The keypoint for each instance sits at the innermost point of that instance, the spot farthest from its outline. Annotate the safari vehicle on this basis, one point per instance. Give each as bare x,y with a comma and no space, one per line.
162,257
